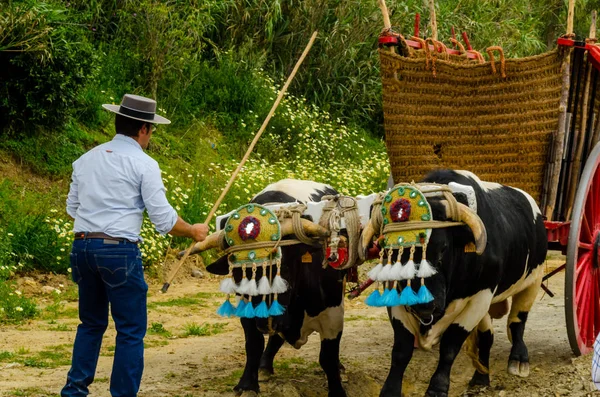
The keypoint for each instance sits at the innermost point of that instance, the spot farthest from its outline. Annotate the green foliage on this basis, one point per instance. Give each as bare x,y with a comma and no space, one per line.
158,329
204,329
14,307
46,61
28,240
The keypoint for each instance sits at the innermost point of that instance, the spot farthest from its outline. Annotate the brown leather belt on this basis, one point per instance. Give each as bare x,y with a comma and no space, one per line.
88,235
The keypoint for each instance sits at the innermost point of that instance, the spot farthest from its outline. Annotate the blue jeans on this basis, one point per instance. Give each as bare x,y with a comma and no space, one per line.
108,272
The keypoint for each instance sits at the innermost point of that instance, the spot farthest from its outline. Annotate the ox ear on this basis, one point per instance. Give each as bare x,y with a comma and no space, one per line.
220,266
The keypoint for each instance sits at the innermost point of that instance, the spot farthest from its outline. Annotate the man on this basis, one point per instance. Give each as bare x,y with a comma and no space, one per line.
111,186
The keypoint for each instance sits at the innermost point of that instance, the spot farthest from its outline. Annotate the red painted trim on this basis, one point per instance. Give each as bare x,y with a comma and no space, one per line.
466,39
389,40
417,45
558,232
417,23
594,52
565,42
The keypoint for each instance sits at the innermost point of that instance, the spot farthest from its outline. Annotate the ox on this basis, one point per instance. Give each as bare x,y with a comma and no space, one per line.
313,302
470,283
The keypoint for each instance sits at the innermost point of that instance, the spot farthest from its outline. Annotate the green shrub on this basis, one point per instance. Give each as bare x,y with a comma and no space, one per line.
46,61
14,307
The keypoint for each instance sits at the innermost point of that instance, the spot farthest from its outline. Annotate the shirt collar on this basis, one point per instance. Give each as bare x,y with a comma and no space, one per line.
127,139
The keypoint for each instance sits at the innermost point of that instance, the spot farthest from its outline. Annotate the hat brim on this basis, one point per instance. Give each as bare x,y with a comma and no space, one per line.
156,120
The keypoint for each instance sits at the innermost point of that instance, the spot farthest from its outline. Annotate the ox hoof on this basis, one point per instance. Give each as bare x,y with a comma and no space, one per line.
518,369
479,380
264,375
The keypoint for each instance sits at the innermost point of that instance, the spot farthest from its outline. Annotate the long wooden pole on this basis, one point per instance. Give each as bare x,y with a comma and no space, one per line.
580,138
173,273
555,166
433,20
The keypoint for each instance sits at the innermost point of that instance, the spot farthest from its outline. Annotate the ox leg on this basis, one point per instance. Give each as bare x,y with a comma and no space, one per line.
482,343
454,337
266,361
404,345
518,361
450,345
329,358
255,343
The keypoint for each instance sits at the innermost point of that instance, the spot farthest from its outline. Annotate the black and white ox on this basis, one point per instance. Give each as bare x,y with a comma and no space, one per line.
313,302
471,285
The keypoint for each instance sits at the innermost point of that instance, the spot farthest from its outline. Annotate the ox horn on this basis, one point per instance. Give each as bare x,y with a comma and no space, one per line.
365,239
212,241
471,219
311,229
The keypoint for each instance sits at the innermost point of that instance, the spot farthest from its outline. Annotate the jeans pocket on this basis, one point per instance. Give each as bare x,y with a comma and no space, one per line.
75,274
113,269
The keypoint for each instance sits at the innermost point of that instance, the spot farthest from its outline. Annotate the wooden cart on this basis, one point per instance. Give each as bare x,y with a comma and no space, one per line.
532,123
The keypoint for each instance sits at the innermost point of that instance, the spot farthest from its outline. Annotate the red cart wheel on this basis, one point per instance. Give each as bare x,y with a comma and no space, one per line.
582,278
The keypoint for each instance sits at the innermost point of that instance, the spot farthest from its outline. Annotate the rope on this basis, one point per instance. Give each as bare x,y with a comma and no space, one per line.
336,208
295,212
415,225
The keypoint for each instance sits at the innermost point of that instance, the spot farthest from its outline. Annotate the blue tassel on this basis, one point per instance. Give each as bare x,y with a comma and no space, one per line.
374,299
226,309
424,295
384,296
392,299
408,297
239,312
249,311
276,309
262,310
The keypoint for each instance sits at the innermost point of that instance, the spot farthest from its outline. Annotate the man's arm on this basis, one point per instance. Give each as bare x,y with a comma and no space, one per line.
161,213
197,231
73,197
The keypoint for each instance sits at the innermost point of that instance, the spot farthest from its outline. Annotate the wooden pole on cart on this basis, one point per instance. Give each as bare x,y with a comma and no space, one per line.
433,20
560,132
580,137
212,212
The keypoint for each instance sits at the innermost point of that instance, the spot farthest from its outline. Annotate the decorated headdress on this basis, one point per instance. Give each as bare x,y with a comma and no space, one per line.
253,233
406,214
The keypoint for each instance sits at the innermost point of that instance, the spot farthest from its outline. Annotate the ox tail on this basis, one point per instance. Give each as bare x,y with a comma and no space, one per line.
471,348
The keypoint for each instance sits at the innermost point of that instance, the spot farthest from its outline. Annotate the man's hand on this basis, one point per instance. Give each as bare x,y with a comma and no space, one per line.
199,231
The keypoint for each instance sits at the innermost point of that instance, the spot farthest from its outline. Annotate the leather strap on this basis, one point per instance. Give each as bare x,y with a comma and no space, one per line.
100,235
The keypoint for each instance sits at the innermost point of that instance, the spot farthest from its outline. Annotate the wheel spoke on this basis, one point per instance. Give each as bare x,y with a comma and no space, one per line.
583,264
585,246
586,232
596,281
582,311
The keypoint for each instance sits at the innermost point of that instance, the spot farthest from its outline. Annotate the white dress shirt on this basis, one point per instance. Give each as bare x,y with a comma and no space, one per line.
111,186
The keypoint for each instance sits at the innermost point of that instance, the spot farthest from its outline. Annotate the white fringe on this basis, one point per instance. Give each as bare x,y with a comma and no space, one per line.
408,271
228,286
426,269
279,285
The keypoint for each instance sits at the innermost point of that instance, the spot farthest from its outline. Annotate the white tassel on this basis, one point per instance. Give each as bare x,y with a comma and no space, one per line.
252,289
279,285
264,288
228,286
408,271
426,269
243,286
373,273
384,274
396,271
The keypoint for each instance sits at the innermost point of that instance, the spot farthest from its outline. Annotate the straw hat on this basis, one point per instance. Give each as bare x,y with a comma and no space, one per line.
138,108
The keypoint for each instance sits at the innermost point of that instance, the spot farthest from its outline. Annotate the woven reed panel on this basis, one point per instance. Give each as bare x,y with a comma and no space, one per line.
468,118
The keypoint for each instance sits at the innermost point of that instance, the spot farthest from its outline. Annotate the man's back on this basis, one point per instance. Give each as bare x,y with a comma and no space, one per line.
112,185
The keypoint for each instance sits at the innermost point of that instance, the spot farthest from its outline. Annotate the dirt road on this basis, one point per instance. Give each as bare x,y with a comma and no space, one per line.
190,351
